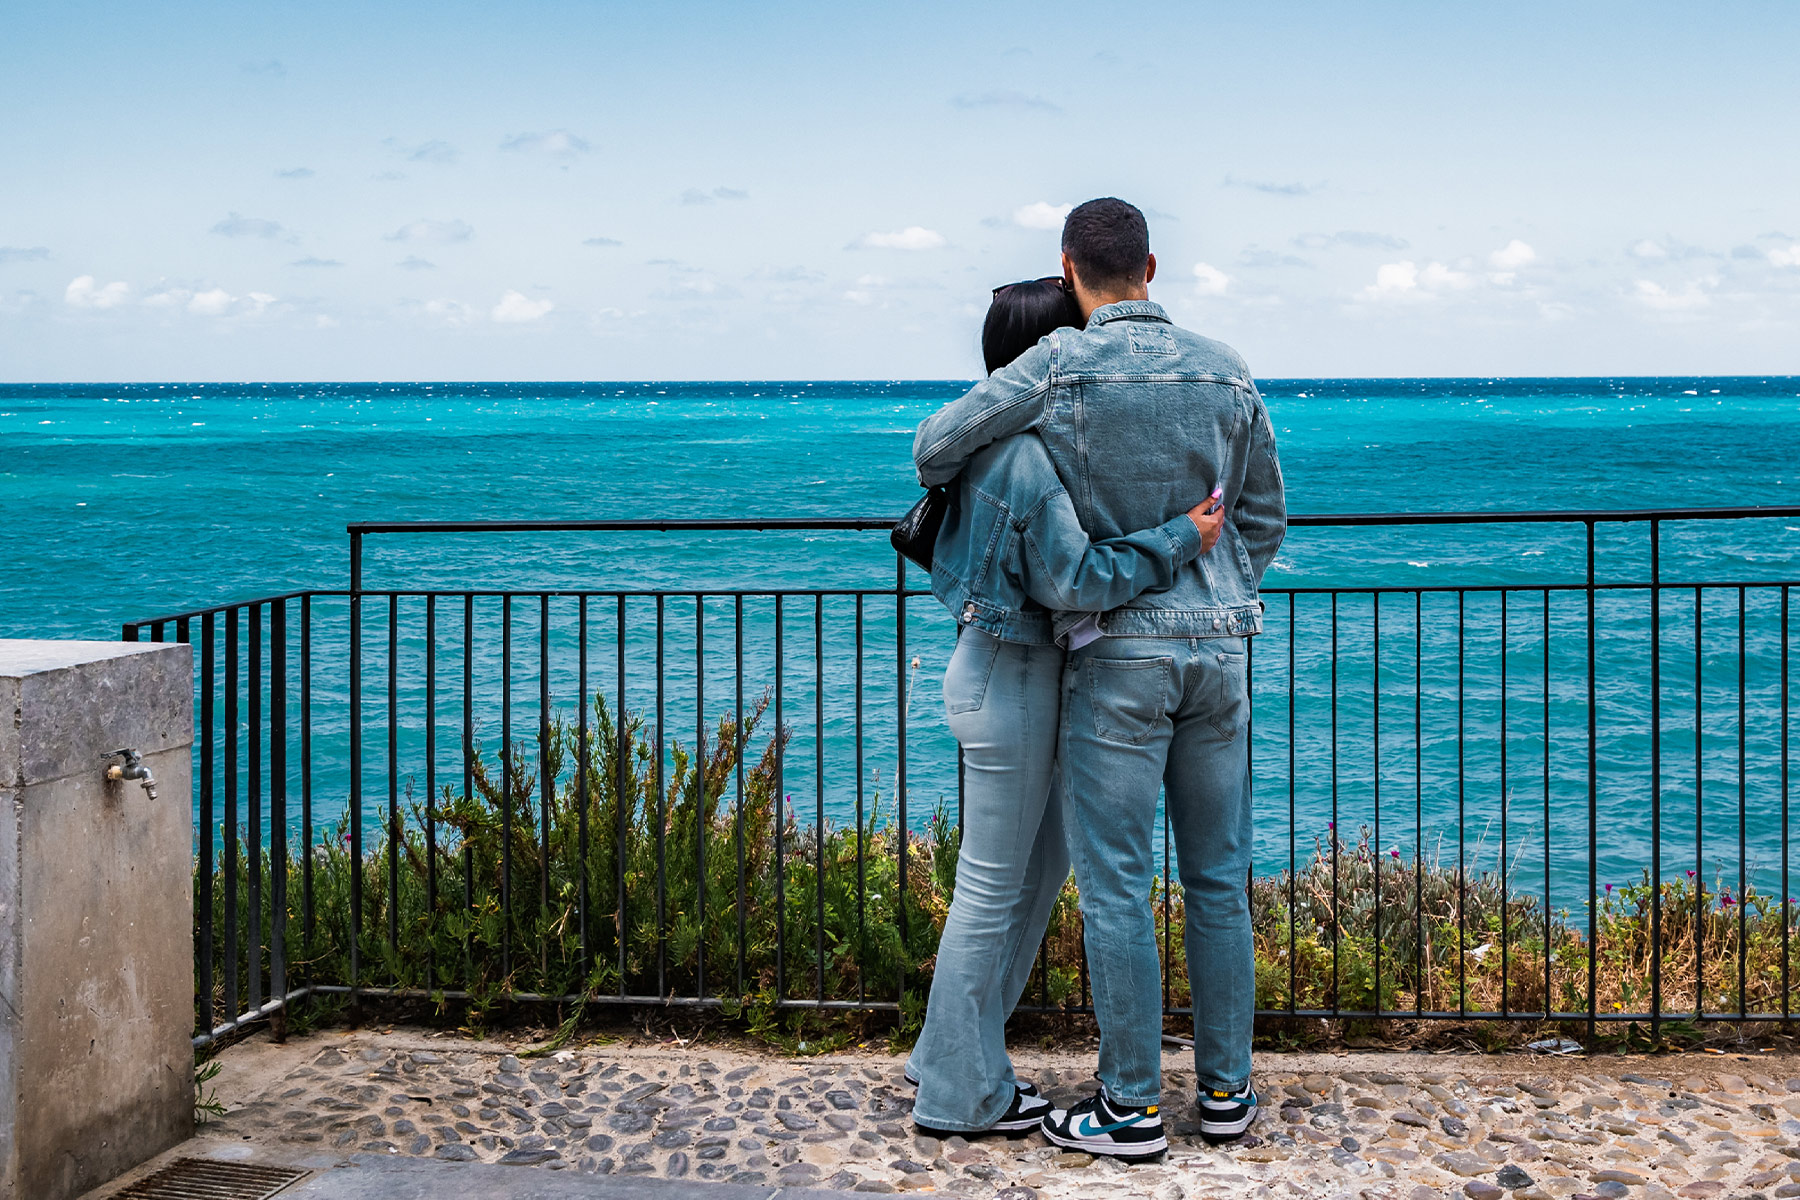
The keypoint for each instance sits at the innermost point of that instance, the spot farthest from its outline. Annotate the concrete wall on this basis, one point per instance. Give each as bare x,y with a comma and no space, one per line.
96,911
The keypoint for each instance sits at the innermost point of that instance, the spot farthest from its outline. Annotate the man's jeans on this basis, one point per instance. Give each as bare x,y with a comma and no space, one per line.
1004,699
1139,713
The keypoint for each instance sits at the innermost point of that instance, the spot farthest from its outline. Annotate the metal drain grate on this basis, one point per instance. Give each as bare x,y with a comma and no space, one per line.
209,1179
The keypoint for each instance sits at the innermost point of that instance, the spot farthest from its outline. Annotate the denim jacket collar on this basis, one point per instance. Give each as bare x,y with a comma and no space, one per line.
1129,310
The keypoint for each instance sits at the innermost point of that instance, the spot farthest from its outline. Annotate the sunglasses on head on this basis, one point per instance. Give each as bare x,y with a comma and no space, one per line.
1061,283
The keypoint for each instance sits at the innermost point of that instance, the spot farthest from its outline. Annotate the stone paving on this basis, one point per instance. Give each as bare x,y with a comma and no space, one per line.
1387,1126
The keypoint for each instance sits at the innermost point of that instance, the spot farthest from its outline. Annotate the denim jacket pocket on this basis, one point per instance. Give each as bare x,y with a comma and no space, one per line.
1230,696
971,665
1130,695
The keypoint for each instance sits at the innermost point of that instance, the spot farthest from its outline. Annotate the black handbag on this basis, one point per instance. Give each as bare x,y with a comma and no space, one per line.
916,534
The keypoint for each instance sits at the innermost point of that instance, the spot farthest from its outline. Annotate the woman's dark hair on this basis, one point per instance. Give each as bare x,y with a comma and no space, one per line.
1021,314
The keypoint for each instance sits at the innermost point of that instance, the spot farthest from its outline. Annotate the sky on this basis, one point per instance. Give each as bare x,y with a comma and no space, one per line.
566,191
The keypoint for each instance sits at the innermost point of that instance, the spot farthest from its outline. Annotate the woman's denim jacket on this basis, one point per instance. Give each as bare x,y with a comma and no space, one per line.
1140,418
1011,554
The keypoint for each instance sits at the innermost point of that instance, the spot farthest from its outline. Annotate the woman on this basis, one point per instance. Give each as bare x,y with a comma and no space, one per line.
1014,566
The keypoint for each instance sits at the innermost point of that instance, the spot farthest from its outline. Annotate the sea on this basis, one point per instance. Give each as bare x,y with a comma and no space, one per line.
1418,725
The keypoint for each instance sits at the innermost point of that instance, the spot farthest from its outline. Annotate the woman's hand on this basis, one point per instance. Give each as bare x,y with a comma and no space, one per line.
1209,519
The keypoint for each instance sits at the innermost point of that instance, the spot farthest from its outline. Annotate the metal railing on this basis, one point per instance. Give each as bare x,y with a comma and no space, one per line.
1557,686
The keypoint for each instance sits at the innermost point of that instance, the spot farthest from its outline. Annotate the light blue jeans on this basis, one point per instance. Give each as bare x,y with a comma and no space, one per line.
1139,714
1004,700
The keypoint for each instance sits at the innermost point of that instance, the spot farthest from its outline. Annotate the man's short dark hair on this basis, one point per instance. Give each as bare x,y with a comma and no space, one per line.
1108,242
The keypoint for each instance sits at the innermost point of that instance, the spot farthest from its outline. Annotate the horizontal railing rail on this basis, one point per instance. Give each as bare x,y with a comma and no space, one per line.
722,795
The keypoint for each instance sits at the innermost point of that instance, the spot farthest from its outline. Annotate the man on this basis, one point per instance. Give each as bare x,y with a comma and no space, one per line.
1133,409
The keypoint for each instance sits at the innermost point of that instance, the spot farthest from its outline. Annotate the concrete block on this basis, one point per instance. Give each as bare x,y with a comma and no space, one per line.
96,910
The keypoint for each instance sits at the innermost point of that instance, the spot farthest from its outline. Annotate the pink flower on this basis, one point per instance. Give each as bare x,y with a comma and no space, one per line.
1725,901
1690,874
1395,853
1609,889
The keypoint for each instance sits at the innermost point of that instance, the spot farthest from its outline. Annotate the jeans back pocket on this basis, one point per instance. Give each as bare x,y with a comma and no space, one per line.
1231,696
1129,697
971,665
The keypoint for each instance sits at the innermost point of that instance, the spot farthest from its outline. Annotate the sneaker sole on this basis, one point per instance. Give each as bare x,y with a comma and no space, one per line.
1109,1149
1225,1131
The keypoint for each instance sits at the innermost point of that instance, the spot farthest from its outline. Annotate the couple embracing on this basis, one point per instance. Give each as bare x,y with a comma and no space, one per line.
1101,658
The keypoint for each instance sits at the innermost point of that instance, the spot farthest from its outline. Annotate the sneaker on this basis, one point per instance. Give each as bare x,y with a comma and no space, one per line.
1226,1115
1100,1126
1024,1115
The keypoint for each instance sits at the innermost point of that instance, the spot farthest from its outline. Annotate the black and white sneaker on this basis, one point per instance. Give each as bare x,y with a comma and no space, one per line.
1100,1126
1024,1115
1226,1115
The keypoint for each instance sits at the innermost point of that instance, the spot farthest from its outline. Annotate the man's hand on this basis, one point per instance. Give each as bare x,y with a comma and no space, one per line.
1209,519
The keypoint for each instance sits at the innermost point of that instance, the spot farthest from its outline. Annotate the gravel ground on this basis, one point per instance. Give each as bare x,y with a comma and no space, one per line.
1359,1125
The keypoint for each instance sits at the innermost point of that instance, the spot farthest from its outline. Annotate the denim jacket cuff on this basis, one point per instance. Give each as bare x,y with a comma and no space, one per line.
1186,536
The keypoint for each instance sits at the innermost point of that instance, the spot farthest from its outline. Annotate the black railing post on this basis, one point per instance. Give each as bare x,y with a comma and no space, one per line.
356,764
1593,802
1655,782
278,833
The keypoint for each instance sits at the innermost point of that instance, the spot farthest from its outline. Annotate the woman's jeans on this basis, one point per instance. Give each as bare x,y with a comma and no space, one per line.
1145,715
1004,700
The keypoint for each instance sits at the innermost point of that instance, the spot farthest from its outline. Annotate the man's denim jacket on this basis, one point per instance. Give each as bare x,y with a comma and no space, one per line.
1011,550
1139,416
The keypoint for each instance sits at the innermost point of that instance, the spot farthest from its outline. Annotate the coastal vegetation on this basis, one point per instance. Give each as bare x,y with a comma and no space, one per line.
601,883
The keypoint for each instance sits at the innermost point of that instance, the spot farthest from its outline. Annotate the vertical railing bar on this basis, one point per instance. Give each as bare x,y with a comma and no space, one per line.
1699,819
431,855
1505,804
356,766
703,787
546,784
862,882
583,763
623,804
468,741
306,813
231,815
253,798
1786,900
900,707
1549,1007
1743,812
1462,874
1166,960
1418,802
208,855
393,774
780,808
1336,920
278,835
1293,860
1593,800
743,743
662,818
1375,767
819,779
1655,782
506,785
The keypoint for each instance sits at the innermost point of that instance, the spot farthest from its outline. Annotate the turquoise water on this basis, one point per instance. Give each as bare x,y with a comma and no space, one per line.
128,501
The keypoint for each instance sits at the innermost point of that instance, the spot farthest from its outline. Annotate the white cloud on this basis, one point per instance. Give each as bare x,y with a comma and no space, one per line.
1512,256
214,303
1408,281
241,226
913,237
1648,248
451,312
1691,296
83,293
1209,280
557,143
1785,258
1042,215
12,254
516,308
436,233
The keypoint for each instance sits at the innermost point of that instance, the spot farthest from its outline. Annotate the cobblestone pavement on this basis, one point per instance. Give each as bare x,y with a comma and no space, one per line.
1400,1126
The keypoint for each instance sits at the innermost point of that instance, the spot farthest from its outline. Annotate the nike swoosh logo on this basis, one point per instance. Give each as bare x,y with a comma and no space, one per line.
1087,1128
